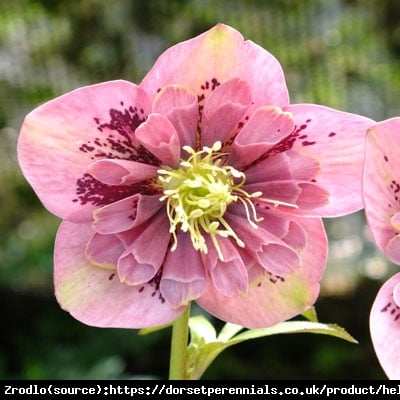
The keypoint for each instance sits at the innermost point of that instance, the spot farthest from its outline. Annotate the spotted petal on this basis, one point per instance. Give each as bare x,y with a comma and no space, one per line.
59,140
336,140
94,295
266,127
217,56
271,298
385,326
382,176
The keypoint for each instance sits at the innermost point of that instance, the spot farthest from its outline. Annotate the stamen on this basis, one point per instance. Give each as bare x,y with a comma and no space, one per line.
277,203
198,193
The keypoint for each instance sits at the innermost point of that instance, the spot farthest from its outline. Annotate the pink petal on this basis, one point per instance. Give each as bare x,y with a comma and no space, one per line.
304,195
273,299
385,326
266,127
183,276
146,248
229,277
181,107
59,139
125,214
217,56
159,136
223,110
121,172
270,251
104,250
296,236
131,272
382,176
95,296
336,140
289,165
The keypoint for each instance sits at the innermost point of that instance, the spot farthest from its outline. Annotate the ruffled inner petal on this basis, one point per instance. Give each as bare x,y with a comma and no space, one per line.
158,135
302,167
183,278
296,237
273,298
270,251
125,214
223,110
95,296
288,165
181,107
230,275
146,248
274,168
278,259
121,172
104,250
133,273
266,127
301,195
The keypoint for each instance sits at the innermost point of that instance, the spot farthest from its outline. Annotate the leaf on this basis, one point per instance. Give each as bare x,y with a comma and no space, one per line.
297,327
205,346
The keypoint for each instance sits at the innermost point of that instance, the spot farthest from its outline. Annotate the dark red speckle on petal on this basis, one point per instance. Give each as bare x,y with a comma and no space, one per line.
308,143
386,158
276,278
154,286
90,191
393,310
332,134
116,138
285,144
395,187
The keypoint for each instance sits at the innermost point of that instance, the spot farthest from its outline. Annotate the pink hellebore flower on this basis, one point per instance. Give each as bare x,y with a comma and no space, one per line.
200,183
382,208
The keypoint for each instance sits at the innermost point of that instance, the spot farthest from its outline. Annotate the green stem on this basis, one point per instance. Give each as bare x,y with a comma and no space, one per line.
179,343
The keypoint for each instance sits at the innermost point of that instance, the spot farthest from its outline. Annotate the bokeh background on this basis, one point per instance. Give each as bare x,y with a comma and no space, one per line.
340,53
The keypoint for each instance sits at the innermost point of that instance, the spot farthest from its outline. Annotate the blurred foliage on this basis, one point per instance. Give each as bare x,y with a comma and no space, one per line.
341,53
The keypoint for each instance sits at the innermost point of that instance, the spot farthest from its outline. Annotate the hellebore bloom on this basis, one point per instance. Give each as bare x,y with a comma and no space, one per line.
200,183
381,190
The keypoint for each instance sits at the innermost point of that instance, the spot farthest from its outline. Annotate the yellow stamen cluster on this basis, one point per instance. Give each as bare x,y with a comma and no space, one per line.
198,194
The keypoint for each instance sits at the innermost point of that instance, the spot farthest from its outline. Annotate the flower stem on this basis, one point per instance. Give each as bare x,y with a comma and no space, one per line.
179,342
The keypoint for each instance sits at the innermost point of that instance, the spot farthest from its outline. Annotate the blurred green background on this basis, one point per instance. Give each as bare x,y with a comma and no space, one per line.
340,53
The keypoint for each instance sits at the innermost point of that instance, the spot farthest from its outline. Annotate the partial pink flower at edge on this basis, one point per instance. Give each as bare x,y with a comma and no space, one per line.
385,326
381,186
202,183
381,191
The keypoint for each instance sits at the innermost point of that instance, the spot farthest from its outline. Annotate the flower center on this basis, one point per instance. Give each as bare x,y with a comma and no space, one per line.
198,194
